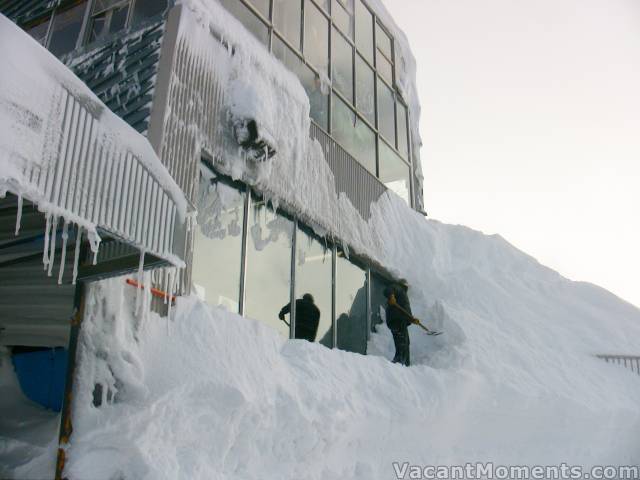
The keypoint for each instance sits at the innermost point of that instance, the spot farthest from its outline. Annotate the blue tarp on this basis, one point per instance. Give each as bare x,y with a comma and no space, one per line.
41,374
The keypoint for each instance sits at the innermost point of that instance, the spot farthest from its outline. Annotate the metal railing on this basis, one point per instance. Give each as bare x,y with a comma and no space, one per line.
629,361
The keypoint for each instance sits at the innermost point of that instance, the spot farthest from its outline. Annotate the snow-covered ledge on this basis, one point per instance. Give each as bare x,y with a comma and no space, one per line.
63,149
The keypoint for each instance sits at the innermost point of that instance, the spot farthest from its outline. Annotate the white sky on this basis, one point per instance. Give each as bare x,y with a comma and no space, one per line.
531,126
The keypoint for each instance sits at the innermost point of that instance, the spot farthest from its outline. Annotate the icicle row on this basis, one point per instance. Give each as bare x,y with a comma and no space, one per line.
19,215
63,256
76,255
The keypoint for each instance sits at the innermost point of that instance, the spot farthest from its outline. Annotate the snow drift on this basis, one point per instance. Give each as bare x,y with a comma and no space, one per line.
208,394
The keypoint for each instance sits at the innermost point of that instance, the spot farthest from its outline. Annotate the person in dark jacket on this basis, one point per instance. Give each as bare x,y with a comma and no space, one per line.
399,317
307,317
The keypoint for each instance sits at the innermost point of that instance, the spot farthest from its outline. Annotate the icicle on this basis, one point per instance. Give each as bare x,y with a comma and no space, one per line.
52,251
165,285
19,215
63,256
76,255
172,275
45,251
94,243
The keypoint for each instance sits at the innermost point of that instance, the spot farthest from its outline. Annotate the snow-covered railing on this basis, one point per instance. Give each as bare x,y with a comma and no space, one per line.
628,361
63,149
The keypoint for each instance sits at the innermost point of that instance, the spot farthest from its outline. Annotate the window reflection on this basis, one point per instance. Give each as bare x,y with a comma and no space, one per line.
394,172
342,58
386,113
287,18
342,13
318,101
248,19
316,38
108,16
403,133
364,31
313,276
66,28
353,134
351,306
268,277
365,90
378,301
262,6
218,241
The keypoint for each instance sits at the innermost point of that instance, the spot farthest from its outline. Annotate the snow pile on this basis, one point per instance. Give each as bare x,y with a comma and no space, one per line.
513,380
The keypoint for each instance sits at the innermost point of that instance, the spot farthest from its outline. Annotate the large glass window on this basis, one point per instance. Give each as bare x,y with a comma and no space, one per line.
351,306
218,241
287,19
268,277
313,276
365,90
353,134
384,54
394,172
248,19
263,6
342,60
316,38
342,13
364,31
386,113
318,101
66,29
378,302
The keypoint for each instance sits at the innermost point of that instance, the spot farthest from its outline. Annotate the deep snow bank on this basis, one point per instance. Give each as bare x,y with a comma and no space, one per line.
211,395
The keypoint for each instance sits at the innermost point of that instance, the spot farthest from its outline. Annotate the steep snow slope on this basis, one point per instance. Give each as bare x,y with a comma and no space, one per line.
211,395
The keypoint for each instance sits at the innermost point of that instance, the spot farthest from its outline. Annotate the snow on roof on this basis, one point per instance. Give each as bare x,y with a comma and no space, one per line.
58,141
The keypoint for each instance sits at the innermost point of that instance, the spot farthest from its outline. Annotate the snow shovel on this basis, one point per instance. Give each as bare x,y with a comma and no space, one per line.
414,320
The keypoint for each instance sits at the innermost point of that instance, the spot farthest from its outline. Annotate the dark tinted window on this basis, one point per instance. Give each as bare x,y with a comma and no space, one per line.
66,28
143,9
351,306
39,31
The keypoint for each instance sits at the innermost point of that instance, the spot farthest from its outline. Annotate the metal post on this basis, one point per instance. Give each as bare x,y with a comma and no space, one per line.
292,290
243,255
334,323
66,427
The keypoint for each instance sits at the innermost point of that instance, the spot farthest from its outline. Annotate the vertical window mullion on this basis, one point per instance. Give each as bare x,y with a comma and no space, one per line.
292,280
334,325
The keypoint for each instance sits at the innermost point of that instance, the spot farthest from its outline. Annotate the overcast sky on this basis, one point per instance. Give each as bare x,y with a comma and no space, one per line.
531,126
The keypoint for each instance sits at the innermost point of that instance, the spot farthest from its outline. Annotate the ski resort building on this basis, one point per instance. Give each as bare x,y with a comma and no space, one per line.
234,149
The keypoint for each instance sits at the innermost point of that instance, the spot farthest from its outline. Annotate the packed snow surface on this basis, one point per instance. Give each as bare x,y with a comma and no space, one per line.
208,394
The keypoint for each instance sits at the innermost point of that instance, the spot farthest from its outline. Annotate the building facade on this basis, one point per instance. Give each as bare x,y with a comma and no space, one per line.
283,122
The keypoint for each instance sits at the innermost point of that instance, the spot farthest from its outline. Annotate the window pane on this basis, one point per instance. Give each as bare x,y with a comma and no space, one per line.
103,5
267,285
262,6
313,276
364,31
342,13
217,247
383,41
384,68
394,172
66,28
351,306
365,85
353,135
144,9
319,102
316,38
342,58
248,19
287,18
403,137
386,113
118,19
98,26
39,32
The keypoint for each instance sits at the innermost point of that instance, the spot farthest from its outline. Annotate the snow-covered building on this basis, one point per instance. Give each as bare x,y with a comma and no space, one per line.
281,123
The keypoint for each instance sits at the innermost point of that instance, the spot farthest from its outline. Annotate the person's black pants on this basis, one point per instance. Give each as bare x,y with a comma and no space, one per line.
401,342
